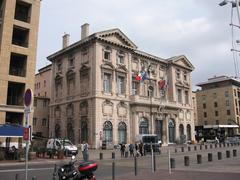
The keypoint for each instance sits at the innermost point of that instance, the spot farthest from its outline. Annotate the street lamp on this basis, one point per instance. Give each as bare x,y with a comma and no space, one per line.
234,4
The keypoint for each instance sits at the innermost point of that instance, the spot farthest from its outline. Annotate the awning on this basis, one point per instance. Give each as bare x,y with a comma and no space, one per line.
9,130
220,126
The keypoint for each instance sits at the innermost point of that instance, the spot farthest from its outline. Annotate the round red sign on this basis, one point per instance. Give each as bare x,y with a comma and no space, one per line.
28,97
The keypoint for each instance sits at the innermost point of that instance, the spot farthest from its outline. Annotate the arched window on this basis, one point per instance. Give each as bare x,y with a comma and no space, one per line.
122,133
189,137
143,126
57,131
84,131
171,131
107,131
181,130
70,132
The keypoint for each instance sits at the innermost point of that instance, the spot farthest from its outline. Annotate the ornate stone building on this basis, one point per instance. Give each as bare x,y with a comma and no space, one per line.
96,97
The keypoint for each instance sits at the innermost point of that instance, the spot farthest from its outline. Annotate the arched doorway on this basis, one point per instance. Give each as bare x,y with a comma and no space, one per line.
189,137
70,132
57,131
143,126
84,131
171,131
122,133
107,131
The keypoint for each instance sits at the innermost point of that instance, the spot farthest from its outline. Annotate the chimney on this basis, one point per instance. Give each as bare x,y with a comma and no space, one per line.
65,41
84,30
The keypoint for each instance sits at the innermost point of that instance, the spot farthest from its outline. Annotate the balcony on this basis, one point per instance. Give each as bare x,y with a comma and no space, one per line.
22,11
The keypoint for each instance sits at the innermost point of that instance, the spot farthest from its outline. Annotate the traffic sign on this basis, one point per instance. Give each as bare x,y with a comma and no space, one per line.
26,134
28,97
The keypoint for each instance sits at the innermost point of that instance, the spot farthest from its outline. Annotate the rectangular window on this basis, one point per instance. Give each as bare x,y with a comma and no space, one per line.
22,11
205,122
217,122
107,55
185,76
237,111
205,114
215,104
186,97
226,94
120,59
107,83
44,122
135,87
216,113
34,121
178,74
121,85
228,112
204,106
235,92
18,63
227,103
20,36
179,95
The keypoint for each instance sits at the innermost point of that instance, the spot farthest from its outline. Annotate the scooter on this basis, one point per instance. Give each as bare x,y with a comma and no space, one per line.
83,172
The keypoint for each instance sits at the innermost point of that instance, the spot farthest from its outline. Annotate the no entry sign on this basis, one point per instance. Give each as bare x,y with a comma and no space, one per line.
28,97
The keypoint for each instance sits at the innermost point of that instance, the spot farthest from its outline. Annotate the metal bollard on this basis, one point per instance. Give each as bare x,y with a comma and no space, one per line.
100,156
175,150
234,152
219,155
172,163
206,146
17,177
113,155
34,178
195,148
182,148
55,172
135,165
186,160
227,154
189,148
210,157
154,162
113,170
199,158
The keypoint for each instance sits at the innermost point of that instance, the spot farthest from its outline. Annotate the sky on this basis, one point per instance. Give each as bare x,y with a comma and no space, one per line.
198,29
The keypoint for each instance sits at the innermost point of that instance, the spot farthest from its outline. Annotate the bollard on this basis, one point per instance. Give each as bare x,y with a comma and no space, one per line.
113,170
206,146
113,155
210,146
55,172
224,144
195,148
216,146
189,148
135,166
209,157
182,148
220,145
154,162
200,147
17,177
234,152
175,150
34,178
172,163
228,144
219,155
186,160
100,156
199,158
227,154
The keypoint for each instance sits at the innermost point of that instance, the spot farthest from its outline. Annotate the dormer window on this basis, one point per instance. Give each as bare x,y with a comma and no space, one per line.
107,54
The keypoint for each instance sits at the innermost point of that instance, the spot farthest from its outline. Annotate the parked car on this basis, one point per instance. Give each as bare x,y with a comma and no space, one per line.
61,144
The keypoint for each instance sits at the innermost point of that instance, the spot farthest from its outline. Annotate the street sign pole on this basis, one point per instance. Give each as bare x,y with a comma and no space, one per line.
27,103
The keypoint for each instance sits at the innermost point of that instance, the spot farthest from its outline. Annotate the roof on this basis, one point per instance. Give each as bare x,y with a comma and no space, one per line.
219,79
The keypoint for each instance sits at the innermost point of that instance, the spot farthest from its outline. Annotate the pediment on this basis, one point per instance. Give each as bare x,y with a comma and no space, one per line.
182,61
117,37
107,65
121,68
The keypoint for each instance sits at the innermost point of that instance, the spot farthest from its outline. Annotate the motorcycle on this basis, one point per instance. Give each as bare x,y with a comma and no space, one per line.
83,172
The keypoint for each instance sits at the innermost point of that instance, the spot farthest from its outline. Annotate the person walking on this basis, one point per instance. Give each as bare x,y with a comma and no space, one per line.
141,148
131,149
85,154
122,149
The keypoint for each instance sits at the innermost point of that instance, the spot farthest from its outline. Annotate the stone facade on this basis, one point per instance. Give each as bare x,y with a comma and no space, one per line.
95,95
42,94
19,20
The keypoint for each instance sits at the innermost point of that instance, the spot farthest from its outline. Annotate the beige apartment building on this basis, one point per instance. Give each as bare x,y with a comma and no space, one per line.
19,20
42,94
96,98
218,106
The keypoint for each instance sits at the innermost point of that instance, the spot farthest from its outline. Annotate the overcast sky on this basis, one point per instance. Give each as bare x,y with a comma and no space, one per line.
199,29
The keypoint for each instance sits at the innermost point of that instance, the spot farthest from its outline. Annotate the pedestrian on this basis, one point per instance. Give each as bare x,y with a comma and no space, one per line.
141,148
85,154
131,149
122,149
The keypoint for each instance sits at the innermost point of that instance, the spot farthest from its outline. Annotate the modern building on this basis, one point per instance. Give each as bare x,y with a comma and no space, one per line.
97,97
218,106
19,21
42,94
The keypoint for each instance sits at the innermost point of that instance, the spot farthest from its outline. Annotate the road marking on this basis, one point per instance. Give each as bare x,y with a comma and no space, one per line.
30,169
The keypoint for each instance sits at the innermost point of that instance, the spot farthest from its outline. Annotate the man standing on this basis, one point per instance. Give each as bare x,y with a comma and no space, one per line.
84,148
